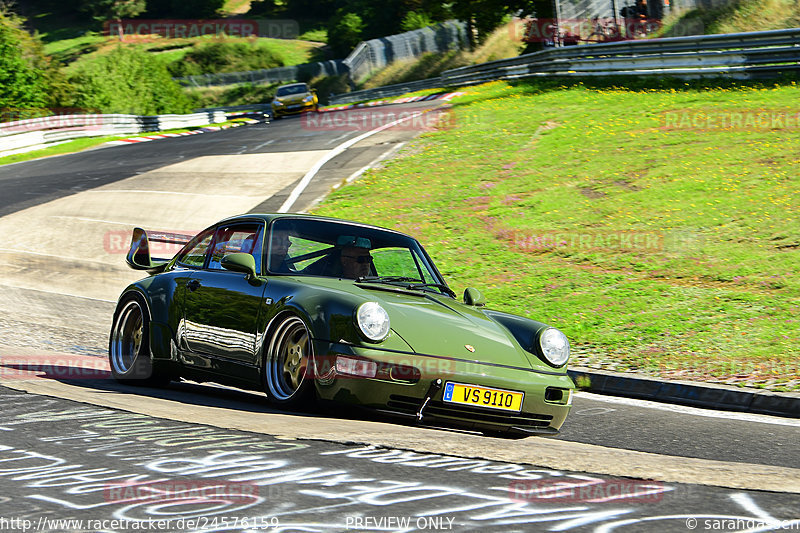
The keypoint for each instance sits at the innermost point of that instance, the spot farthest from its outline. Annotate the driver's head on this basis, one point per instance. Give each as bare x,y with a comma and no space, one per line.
356,262
279,248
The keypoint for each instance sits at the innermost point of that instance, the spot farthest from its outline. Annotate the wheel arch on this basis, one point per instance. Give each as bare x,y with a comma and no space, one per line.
160,334
273,321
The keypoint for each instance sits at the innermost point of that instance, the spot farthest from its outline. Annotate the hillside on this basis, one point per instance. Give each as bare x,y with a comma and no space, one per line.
734,17
662,240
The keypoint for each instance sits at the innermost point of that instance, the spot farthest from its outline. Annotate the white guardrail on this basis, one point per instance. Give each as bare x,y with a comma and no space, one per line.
25,134
766,54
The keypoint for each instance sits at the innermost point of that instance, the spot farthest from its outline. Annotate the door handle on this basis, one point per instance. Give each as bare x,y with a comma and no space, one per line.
193,285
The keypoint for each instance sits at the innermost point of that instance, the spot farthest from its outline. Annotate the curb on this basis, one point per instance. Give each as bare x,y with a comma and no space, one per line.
708,395
156,136
403,100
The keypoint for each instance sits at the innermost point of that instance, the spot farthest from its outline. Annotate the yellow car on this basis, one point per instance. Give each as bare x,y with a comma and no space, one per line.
293,99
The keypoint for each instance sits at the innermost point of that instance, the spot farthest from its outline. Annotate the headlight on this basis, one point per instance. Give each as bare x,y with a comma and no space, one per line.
309,98
373,321
555,346
277,103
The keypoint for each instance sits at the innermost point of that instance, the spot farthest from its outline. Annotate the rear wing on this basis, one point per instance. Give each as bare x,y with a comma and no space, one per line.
138,257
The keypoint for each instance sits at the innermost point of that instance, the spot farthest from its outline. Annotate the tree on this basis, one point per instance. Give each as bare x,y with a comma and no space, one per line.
484,16
415,21
114,9
344,33
184,9
28,80
127,80
107,10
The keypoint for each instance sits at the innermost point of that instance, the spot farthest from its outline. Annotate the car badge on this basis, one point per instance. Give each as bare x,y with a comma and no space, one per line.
470,347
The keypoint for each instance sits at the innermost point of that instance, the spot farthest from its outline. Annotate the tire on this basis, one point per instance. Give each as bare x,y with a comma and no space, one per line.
504,434
128,345
288,359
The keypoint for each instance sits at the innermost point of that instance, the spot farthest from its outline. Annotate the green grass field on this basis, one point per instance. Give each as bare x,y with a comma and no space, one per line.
658,228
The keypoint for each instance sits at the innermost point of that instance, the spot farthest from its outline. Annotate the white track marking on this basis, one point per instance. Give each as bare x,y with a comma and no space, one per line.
683,409
333,153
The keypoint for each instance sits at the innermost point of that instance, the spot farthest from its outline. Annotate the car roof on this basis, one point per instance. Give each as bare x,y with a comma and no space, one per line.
269,217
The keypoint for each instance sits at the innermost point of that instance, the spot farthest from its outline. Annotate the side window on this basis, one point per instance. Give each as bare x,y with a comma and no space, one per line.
397,262
240,238
195,255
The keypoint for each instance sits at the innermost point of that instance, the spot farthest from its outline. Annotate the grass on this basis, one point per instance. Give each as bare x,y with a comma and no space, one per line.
676,248
236,7
228,95
733,17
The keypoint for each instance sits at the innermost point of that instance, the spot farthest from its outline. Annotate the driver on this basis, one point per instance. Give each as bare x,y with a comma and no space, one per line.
356,262
279,251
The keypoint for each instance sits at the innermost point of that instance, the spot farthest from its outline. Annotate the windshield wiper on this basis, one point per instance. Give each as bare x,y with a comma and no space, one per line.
403,279
440,286
388,279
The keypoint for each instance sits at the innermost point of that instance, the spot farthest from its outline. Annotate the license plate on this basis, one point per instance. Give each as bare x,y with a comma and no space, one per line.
464,394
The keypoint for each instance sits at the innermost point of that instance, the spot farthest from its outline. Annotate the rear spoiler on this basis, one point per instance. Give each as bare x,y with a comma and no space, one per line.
138,257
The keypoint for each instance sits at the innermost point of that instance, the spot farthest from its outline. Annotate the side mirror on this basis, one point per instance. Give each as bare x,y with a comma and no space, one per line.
240,262
473,296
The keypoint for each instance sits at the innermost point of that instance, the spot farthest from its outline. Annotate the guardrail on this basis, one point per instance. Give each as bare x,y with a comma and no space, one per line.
749,55
22,134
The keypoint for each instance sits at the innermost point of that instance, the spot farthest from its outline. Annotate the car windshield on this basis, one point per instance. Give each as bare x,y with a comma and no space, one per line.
309,247
287,90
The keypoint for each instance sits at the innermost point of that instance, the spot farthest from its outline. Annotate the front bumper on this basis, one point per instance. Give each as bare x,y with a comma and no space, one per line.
293,109
545,406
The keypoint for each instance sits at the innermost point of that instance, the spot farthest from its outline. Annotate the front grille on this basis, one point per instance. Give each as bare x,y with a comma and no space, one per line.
439,409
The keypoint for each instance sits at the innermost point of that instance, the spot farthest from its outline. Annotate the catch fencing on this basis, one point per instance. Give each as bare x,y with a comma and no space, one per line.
375,54
752,55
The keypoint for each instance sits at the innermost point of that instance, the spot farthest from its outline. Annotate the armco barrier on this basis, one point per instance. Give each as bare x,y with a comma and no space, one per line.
766,54
22,134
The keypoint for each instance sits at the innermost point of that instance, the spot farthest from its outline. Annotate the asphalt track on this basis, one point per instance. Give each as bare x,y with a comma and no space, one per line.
41,313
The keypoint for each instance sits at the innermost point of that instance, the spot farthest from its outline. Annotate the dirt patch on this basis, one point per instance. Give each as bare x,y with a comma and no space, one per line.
592,193
627,186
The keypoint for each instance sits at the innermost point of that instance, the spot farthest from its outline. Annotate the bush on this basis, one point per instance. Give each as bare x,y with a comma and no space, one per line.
184,9
129,81
223,56
415,21
28,80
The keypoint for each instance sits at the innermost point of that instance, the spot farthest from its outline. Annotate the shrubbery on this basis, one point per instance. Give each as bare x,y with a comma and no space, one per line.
344,33
28,80
129,81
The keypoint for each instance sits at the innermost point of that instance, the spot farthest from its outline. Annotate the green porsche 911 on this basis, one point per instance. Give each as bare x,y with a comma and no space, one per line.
312,309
